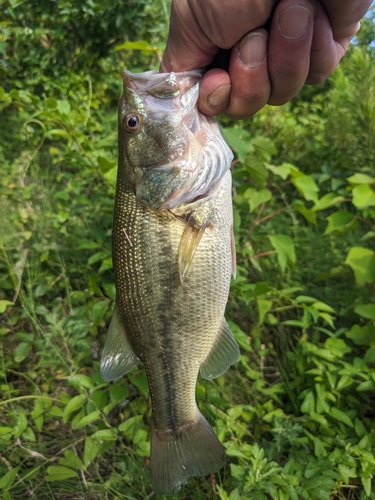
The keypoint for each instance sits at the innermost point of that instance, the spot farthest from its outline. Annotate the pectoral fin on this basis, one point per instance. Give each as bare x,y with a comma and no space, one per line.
118,357
191,237
224,352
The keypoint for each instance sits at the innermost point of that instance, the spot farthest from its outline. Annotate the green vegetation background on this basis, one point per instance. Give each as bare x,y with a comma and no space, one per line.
296,413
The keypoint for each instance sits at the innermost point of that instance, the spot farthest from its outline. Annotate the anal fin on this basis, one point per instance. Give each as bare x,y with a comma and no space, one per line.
224,353
118,356
191,237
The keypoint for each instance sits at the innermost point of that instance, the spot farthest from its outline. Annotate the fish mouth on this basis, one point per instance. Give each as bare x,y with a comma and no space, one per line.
161,85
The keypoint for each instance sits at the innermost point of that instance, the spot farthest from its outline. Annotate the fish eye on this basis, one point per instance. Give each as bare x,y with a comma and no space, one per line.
131,122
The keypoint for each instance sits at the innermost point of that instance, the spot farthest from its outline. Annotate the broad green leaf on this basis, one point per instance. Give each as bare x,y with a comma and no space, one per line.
5,430
105,164
59,473
81,381
338,347
283,170
308,405
362,335
341,416
104,435
368,385
4,304
64,107
326,201
71,460
264,147
263,307
307,213
362,262
98,311
366,481
307,187
322,306
91,450
74,404
366,311
22,351
140,381
138,45
284,247
360,179
239,140
370,355
88,419
256,197
130,426
8,478
363,196
340,222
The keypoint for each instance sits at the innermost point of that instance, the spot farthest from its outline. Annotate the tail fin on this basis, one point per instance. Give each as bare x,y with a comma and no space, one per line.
177,454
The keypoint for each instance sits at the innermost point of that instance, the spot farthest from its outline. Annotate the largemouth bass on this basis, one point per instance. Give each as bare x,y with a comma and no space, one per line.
173,255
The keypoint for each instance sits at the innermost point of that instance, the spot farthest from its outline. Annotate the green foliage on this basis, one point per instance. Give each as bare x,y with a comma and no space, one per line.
296,414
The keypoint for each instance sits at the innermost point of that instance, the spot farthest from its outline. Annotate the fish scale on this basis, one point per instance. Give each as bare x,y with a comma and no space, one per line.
170,318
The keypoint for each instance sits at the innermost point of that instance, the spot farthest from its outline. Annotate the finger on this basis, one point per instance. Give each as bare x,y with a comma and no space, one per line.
326,53
214,92
289,49
344,17
198,29
249,75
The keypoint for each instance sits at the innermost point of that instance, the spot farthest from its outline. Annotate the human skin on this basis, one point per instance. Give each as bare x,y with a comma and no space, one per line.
303,43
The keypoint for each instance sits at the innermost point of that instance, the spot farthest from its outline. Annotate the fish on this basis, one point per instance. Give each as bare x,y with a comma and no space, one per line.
173,256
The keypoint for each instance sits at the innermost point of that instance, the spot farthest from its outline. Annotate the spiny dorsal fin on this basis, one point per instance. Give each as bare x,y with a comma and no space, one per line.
191,237
224,352
118,356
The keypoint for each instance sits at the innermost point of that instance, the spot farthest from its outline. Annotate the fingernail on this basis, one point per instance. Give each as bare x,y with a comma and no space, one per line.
252,50
219,95
293,21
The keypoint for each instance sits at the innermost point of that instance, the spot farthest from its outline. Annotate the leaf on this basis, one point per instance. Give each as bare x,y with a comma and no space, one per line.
360,179
105,435
264,147
74,404
22,351
326,201
306,212
64,107
308,405
263,307
341,416
239,140
72,460
105,164
81,381
91,450
338,347
362,262
284,247
98,311
340,222
256,197
140,381
322,306
366,481
363,196
4,304
88,419
130,426
138,45
283,170
362,335
8,478
59,473
366,311
307,187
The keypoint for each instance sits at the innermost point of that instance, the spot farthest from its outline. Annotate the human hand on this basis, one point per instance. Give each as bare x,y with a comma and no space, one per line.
304,43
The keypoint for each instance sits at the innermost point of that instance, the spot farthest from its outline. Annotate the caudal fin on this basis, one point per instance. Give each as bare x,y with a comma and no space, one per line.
177,454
